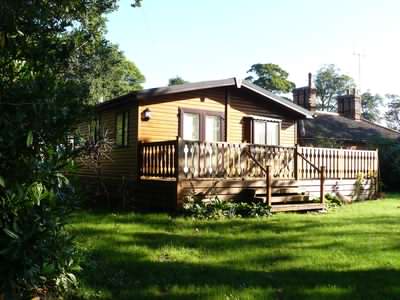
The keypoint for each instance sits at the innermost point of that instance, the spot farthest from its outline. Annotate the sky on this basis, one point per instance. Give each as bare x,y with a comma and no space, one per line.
214,39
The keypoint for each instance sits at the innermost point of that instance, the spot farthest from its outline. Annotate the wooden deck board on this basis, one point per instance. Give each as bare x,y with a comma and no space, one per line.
297,207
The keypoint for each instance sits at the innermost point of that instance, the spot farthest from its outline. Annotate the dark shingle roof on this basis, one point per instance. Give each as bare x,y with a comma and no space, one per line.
194,86
334,126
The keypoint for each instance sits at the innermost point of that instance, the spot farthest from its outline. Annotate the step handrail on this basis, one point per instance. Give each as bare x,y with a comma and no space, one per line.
268,179
320,170
309,162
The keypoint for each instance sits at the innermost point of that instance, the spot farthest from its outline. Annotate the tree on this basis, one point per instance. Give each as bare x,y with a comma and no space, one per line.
46,53
176,80
392,115
271,77
113,75
330,83
370,106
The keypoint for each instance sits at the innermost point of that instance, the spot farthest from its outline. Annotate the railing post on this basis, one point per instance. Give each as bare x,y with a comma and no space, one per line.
178,162
268,178
322,182
139,170
341,163
177,157
296,158
377,173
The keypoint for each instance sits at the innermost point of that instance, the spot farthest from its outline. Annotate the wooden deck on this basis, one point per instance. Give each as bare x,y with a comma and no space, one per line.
287,178
297,207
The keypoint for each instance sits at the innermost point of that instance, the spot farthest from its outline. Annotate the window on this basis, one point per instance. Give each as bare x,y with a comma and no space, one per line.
200,125
94,130
262,131
259,134
191,126
121,132
213,128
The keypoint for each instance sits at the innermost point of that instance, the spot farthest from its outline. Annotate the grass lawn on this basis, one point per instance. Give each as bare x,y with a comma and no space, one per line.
350,253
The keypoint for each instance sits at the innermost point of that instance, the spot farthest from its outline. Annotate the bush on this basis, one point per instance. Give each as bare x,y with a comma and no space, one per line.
389,165
37,255
215,208
332,201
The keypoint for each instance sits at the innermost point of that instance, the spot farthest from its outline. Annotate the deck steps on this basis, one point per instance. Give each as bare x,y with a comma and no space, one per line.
284,198
297,207
292,199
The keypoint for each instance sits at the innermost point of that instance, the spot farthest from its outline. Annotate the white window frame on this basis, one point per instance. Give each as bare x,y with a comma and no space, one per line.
267,120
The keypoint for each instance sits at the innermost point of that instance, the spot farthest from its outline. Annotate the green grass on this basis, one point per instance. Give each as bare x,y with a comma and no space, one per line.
350,253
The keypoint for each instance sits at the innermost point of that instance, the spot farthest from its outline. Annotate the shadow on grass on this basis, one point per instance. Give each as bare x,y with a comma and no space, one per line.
138,278
124,265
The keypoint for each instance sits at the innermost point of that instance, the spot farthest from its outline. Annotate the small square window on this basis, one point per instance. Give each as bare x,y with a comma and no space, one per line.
94,130
121,132
266,132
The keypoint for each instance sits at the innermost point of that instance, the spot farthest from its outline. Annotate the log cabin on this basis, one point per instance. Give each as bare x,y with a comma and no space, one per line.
226,138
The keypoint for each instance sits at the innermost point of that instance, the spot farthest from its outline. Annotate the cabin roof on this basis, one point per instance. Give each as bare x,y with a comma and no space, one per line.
337,127
202,85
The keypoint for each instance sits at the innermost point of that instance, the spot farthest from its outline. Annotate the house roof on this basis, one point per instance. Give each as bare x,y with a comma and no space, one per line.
337,127
195,86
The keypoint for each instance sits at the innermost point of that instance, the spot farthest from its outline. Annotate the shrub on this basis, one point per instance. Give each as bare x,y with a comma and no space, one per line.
37,255
389,165
215,208
332,201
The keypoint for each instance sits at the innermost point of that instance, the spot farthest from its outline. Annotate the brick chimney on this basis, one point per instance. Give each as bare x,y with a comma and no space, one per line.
349,105
306,96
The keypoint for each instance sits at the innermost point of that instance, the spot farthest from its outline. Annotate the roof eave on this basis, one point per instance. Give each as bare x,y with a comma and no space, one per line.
265,93
187,87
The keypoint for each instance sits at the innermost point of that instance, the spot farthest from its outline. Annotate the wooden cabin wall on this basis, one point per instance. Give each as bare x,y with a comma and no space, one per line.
164,122
244,105
124,160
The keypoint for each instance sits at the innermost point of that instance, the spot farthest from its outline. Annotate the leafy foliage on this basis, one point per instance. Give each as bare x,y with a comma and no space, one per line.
392,115
215,208
389,164
332,201
113,74
330,83
271,77
370,106
49,51
176,80
93,152
37,256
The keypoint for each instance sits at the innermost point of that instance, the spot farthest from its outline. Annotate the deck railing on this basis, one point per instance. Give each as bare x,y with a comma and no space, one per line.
194,159
231,160
158,159
338,163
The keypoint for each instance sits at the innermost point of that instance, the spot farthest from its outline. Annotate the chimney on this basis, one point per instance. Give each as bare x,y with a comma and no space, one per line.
349,105
306,96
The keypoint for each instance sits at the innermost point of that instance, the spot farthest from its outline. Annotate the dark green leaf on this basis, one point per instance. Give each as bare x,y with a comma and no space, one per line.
29,139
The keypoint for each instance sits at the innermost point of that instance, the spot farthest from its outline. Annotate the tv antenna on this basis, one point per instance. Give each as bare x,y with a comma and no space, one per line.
359,55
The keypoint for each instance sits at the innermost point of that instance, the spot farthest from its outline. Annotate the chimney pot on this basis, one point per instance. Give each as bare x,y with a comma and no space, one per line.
306,96
349,105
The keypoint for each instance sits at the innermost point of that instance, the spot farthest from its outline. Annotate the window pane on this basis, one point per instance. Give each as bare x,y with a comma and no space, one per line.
94,130
125,122
213,128
119,134
259,132
272,133
191,126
